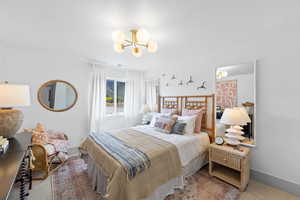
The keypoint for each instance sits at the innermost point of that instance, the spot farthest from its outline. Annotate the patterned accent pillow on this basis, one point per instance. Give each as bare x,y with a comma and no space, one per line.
165,123
55,135
198,122
155,115
179,128
39,138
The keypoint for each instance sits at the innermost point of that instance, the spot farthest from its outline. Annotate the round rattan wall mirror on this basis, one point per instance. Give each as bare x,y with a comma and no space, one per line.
57,95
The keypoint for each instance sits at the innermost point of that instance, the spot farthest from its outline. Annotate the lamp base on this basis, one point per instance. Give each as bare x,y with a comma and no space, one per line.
231,141
10,122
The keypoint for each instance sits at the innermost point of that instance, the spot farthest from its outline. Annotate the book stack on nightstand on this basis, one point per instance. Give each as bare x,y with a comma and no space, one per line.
230,164
3,145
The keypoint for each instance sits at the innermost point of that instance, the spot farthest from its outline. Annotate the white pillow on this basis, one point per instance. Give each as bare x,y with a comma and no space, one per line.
190,123
155,115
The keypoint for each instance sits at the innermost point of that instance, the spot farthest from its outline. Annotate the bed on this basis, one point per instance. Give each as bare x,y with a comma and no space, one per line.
173,157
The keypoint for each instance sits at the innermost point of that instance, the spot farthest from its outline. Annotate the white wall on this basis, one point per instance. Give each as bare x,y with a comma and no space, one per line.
194,37
277,132
34,67
273,38
37,66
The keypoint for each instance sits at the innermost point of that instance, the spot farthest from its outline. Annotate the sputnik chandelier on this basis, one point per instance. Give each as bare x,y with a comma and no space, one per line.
139,38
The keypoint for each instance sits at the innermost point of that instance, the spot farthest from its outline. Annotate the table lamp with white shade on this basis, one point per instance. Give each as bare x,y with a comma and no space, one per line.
146,108
146,116
12,95
235,117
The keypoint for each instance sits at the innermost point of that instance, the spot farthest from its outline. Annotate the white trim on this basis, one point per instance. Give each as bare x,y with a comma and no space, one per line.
285,185
115,113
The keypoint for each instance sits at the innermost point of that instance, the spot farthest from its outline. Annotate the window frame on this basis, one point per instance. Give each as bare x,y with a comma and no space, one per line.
115,80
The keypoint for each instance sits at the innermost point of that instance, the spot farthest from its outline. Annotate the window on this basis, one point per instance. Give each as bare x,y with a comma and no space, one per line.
115,93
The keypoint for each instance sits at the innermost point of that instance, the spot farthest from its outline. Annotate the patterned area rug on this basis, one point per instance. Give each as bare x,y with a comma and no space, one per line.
201,186
70,182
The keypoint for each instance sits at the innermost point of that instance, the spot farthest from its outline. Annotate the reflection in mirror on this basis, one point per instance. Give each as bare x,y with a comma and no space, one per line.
235,103
57,95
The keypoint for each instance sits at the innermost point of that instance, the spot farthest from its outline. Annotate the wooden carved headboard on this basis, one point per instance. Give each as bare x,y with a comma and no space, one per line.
207,102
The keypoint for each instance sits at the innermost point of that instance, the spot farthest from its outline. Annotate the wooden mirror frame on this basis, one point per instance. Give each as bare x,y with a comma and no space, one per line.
56,110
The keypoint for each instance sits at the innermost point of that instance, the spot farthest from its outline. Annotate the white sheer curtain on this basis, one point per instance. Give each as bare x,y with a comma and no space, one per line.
134,94
97,98
151,93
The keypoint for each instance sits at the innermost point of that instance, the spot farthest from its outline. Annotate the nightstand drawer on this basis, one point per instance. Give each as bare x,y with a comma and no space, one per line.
225,158
230,165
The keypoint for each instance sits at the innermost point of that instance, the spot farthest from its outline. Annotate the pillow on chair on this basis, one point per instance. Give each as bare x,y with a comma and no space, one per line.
39,138
55,135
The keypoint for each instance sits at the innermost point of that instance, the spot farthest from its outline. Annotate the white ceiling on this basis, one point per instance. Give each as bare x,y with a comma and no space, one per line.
186,28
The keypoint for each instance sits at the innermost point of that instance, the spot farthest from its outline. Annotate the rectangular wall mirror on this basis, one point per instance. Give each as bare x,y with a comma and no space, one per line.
235,103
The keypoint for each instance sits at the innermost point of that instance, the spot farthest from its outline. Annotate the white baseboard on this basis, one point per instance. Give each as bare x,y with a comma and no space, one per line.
284,185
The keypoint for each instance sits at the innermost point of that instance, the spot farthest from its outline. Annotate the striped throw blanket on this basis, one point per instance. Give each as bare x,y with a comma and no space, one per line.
132,159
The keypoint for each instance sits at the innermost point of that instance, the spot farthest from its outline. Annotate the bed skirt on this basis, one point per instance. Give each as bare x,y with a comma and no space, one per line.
99,180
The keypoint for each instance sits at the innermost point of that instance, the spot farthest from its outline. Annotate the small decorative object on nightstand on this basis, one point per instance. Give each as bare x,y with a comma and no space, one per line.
230,165
219,140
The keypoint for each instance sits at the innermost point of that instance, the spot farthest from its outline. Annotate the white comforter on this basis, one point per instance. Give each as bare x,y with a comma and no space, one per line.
189,146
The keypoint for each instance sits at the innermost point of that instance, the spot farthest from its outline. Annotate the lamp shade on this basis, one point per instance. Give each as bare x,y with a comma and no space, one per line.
244,116
152,46
118,36
119,47
142,36
12,95
155,108
137,52
235,116
146,108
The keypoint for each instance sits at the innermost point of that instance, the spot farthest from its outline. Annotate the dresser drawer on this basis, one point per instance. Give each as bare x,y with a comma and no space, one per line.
225,158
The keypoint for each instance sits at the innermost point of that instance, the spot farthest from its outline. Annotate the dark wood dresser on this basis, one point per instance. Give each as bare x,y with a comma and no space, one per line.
14,162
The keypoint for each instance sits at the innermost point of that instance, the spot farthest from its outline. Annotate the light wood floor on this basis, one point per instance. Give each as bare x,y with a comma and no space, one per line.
259,191
255,191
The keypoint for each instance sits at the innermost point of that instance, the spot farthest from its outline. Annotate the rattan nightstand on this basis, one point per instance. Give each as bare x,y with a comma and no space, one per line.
230,165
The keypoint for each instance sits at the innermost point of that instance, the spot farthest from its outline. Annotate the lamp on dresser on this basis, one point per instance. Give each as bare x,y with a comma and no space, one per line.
12,95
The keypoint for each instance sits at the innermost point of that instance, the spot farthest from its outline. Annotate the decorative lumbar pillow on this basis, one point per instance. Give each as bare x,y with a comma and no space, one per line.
199,113
165,123
179,128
